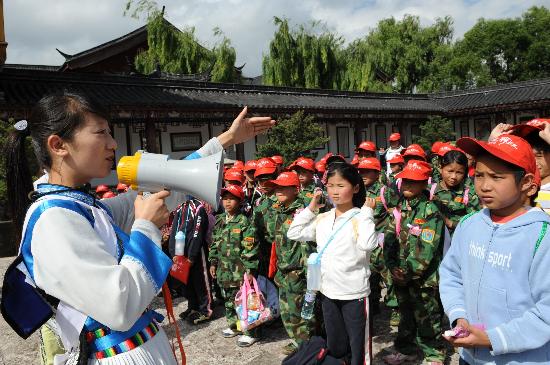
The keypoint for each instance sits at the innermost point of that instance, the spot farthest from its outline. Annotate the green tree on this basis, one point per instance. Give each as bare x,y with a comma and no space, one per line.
434,129
293,137
304,57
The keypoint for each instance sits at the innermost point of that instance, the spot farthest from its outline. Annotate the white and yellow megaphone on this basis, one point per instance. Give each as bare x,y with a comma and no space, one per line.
201,178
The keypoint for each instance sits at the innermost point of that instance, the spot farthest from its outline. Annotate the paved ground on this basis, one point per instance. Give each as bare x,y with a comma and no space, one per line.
203,344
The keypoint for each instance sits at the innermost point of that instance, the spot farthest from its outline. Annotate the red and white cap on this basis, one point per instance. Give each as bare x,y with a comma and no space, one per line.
250,165
394,137
265,166
305,163
415,150
534,125
287,178
415,170
507,147
278,159
239,165
397,159
234,175
370,163
321,166
444,148
235,190
367,146
355,160
436,146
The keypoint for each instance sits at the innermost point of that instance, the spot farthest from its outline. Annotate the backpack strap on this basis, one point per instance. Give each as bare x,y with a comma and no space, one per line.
542,233
382,198
432,190
466,197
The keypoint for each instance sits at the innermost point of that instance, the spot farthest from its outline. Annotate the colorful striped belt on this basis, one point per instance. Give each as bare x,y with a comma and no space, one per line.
129,344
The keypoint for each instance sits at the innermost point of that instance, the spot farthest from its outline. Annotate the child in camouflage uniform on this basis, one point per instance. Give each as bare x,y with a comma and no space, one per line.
452,196
291,259
413,249
305,168
231,256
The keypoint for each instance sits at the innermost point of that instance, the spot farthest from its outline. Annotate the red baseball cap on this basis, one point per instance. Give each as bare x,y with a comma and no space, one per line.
370,163
355,160
108,194
235,190
250,165
305,163
287,178
101,188
444,148
394,137
534,125
507,147
416,170
278,159
239,165
396,159
234,175
367,146
121,187
436,146
415,150
265,166
321,166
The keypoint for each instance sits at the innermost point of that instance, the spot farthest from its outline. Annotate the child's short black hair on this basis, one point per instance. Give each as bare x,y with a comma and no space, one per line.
537,143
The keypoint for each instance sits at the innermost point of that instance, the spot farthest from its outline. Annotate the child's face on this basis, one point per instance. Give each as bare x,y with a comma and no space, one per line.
413,188
395,144
496,186
396,167
305,176
340,190
543,163
369,176
263,183
286,194
453,174
249,176
230,203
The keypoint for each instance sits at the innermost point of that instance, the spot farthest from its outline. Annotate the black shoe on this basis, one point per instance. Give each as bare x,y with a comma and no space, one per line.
186,313
198,318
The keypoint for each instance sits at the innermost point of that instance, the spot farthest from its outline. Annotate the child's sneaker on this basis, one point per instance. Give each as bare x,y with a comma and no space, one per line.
197,318
289,349
246,341
398,358
394,318
432,362
186,313
229,333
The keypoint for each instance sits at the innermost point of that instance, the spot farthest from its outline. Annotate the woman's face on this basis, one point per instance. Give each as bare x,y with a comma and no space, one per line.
91,152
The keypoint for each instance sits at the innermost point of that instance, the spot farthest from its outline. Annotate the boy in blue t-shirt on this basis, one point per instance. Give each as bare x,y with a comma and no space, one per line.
494,280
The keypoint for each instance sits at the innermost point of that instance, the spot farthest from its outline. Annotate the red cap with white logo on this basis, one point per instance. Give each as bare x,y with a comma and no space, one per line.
305,163
265,166
415,170
507,147
234,190
370,163
287,178
234,175
415,150
367,146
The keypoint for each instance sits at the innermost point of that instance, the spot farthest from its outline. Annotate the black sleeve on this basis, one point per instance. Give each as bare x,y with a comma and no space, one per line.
198,240
173,231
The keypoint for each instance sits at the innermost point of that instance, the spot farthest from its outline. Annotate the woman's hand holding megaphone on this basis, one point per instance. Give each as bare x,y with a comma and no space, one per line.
152,208
242,129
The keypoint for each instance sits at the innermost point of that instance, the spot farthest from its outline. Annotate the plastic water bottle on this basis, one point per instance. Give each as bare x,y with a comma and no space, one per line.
309,304
313,272
180,243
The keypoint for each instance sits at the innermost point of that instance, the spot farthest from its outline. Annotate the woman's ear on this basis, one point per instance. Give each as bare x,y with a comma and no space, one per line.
56,146
356,189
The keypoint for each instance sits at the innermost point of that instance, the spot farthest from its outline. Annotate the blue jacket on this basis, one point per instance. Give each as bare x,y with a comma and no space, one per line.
494,276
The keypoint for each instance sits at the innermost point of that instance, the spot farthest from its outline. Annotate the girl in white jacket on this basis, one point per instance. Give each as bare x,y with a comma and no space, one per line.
345,261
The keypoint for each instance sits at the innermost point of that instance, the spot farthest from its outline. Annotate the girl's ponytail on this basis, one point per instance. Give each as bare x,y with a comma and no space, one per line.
18,178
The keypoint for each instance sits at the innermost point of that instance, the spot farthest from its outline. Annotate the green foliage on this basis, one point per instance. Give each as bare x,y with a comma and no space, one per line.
293,137
179,52
436,128
136,8
305,57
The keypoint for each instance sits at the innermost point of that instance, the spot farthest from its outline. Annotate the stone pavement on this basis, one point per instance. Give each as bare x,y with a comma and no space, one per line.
203,343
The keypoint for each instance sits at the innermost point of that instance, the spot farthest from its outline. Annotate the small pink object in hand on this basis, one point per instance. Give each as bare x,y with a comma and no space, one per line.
457,332
414,230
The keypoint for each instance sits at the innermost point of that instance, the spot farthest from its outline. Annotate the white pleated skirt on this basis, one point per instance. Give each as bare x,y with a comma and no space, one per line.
156,351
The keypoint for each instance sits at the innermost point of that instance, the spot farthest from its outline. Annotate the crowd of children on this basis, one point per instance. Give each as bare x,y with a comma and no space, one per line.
448,235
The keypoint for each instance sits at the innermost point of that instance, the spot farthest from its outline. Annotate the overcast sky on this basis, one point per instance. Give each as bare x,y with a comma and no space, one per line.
35,28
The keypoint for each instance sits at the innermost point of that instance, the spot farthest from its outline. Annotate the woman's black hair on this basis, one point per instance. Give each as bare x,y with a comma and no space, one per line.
350,173
454,156
58,114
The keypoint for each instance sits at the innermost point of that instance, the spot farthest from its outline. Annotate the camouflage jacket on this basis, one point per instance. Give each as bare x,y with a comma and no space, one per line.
291,255
451,203
418,249
257,231
231,252
380,212
436,166
306,194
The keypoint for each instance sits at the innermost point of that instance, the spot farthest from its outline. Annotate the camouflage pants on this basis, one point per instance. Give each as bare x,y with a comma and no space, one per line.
292,288
379,274
420,322
230,312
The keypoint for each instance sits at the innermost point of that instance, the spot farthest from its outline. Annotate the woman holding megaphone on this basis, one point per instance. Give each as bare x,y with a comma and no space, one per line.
98,264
